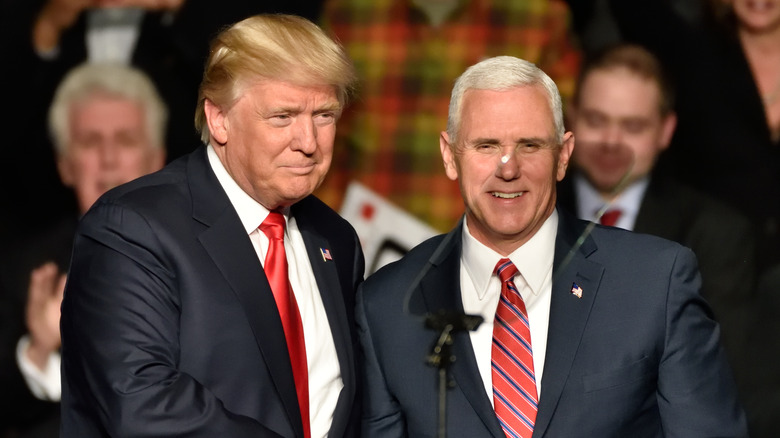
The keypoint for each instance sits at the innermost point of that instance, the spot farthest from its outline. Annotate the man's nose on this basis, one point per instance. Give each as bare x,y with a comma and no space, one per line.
305,136
109,153
611,136
509,163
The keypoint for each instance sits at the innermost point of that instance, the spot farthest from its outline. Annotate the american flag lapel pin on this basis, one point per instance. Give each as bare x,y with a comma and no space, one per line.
576,290
325,254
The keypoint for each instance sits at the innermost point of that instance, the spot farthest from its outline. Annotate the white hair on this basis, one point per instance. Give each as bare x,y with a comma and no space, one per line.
109,79
502,73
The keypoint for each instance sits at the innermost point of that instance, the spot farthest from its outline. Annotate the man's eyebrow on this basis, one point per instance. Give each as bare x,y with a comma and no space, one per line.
332,106
533,140
293,108
521,140
483,140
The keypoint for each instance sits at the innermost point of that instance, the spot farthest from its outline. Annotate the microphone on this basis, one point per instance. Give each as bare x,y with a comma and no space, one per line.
454,320
442,319
444,322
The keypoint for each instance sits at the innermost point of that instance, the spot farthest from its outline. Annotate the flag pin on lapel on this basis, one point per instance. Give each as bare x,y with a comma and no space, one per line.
576,290
325,254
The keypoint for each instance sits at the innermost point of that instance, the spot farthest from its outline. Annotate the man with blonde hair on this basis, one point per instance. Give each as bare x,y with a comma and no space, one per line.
215,298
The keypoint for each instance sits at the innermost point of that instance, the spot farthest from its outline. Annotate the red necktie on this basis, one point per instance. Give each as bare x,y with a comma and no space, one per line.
276,271
514,382
610,217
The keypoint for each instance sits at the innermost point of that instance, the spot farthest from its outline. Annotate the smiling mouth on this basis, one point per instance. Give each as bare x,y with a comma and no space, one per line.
507,195
302,164
760,6
301,167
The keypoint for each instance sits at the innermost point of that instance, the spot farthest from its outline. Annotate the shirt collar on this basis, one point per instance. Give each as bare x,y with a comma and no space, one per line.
534,259
250,212
589,201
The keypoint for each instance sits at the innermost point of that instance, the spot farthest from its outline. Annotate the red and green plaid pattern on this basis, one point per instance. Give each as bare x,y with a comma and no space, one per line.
388,138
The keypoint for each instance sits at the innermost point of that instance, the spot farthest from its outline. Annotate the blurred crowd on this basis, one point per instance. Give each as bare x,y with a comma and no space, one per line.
674,104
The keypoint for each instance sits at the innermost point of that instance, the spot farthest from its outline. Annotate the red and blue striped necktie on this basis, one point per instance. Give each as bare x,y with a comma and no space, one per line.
514,382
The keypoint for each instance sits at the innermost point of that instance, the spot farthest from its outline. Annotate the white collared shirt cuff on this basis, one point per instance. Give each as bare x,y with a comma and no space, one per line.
44,384
49,54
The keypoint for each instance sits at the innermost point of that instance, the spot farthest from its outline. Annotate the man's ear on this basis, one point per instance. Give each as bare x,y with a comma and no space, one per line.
65,170
564,155
448,156
158,159
216,119
669,123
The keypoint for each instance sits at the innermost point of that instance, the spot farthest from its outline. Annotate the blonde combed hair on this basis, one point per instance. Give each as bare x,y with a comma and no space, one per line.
271,46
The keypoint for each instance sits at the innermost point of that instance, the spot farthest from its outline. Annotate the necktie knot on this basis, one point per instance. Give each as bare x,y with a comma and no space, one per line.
273,225
610,217
506,270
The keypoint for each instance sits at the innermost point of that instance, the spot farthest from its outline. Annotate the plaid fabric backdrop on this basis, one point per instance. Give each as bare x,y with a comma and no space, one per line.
388,138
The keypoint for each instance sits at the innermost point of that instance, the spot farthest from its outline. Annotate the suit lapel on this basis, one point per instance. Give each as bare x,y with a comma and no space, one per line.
568,317
441,291
229,247
568,313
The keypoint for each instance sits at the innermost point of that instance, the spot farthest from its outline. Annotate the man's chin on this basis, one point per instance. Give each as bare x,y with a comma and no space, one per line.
292,197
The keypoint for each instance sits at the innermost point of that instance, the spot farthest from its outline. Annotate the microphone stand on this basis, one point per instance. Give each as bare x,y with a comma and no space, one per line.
446,322
441,355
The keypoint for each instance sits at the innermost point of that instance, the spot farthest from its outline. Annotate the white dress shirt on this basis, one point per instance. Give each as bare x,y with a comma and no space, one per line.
481,290
112,34
589,201
325,382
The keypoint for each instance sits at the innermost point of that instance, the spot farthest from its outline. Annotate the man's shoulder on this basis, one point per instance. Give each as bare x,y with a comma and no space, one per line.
631,240
312,205
636,251
402,271
576,231
713,211
312,213
694,205
158,189
158,198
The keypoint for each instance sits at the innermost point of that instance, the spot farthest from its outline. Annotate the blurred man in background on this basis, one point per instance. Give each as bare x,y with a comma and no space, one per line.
107,122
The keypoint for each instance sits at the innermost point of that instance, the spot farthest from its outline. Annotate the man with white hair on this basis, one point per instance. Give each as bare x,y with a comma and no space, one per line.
587,333
107,123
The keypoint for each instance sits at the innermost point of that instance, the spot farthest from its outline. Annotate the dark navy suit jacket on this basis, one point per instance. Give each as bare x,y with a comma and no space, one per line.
638,355
169,326
725,248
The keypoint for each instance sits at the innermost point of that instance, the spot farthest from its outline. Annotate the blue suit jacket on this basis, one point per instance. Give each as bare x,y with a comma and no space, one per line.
637,356
169,326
